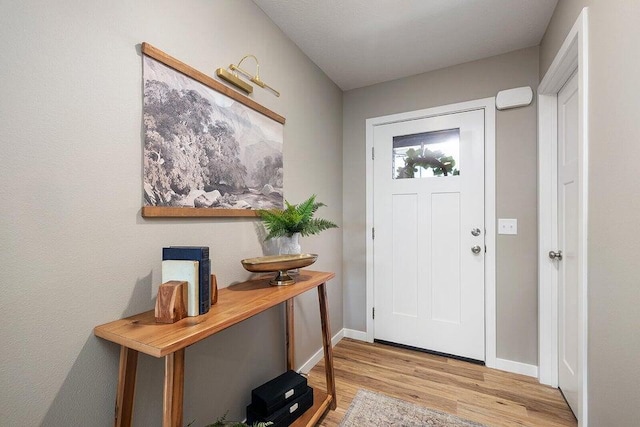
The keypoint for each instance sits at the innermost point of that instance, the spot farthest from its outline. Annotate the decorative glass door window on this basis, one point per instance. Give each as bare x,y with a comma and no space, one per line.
427,154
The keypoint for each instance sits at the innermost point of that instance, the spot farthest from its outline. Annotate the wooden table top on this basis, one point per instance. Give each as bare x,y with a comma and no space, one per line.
235,304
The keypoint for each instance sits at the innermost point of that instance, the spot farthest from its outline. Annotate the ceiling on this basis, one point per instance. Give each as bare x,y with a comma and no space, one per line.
362,42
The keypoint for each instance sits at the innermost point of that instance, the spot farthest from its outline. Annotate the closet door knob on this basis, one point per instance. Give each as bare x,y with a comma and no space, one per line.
555,255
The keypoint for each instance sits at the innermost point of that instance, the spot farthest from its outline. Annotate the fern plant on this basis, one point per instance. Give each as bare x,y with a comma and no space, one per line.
294,219
223,422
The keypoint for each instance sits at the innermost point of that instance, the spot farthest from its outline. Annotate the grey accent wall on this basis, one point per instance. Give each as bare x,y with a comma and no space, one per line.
76,252
614,155
517,333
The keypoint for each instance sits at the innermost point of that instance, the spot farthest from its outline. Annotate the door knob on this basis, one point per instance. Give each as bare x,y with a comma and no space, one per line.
476,249
555,255
475,232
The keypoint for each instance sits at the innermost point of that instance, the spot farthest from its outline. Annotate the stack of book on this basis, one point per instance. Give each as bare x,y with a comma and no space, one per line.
280,401
190,264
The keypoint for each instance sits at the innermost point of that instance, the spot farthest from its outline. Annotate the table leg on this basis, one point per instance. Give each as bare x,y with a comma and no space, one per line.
290,336
126,387
173,389
326,343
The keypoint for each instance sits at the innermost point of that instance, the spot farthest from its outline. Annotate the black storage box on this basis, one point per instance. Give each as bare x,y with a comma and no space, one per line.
276,393
286,415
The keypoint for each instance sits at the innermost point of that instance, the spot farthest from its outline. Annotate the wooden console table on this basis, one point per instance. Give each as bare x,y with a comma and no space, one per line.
140,333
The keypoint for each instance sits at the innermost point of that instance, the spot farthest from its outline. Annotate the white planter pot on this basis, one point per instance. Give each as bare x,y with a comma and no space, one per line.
289,245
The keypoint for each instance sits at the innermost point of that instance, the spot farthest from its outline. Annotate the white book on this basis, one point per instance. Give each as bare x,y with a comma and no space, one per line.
186,271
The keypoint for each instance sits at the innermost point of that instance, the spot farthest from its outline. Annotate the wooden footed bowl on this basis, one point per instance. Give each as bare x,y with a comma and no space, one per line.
279,263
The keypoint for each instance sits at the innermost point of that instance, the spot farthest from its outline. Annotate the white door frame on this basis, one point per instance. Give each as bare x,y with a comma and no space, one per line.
572,57
489,107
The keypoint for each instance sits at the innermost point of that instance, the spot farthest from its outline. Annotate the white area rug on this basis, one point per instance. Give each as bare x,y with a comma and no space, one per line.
375,409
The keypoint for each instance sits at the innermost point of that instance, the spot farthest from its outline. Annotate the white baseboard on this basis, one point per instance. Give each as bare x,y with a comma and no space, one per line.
516,367
309,364
356,335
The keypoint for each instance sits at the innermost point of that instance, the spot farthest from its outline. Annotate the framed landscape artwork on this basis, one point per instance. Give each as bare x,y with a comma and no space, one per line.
208,151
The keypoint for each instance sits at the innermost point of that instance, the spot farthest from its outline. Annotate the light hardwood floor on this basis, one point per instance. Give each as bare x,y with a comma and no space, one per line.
477,393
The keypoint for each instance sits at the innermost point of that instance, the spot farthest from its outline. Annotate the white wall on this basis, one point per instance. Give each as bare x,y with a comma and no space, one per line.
614,156
517,332
75,251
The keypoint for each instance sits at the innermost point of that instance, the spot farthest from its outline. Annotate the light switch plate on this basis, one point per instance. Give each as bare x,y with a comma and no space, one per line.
507,226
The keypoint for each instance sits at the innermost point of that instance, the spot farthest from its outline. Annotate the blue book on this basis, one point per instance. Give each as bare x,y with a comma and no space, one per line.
190,253
205,285
195,253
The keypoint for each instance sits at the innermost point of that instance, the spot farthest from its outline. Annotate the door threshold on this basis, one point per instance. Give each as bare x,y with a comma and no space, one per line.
435,353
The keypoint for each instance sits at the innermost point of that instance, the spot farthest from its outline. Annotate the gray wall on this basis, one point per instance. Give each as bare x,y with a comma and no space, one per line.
517,333
614,155
75,251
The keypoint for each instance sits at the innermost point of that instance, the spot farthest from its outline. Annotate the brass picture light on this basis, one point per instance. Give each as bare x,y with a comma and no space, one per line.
233,77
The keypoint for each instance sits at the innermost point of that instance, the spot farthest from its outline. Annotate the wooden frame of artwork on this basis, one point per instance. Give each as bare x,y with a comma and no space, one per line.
166,193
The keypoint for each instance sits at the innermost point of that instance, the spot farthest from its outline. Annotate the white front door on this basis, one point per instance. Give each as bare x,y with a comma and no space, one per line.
428,250
568,286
